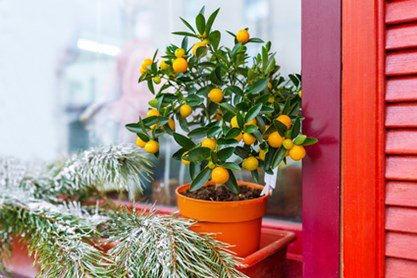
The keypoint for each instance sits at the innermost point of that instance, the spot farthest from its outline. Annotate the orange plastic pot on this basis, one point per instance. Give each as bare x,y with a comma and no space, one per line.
237,223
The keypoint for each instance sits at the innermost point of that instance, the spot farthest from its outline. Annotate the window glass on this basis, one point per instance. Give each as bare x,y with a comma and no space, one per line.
69,71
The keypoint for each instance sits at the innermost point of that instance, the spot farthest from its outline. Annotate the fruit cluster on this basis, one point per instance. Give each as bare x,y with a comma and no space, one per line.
234,111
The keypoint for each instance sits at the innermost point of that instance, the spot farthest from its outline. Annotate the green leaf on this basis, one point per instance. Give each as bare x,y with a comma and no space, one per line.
281,128
200,22
231,166
150,86
184,43
227,142
278,157
225,153
183,141
194,169
228,107
211,20
148,121
235,89
253,112
178,154
181,33
198,132
214,38
188,25
268,157
134,127
183,123
143,136
300,139
309,141
250,128
256,40
258,86
232,133
198,154
296,128
231,184
200,179
214,131
242,152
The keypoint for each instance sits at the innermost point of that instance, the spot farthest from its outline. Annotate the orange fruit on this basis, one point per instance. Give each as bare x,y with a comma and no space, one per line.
285,120
186,162
300,93
179,53
275,139
163,65
242,36
216,95
180,65
209,143
185,110
152,112
233,122
297,152
152,146
251,122
220,175
140,143
171,124
269,85
262,154
157,79
248,138
250,163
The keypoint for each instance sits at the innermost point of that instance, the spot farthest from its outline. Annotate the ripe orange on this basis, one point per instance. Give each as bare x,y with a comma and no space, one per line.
218,115
239,137
275,139
251,122
269,85
163,65
250,163
262,154
220,175
209,143
300,93
185,110
271,99
152,112
179,53
248,138
216,95
140,143
233,122
152,146
297,152
242,36
180,65
285,120
171,124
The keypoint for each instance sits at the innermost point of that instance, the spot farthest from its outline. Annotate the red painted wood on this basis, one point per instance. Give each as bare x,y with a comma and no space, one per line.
401,11
363,100
401,37
321,60
401,168
401,141
401,194
401,245
399,268
401,89
401,115
401,63
401,219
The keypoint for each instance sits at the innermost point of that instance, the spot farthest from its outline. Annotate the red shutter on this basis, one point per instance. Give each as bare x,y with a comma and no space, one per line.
401,139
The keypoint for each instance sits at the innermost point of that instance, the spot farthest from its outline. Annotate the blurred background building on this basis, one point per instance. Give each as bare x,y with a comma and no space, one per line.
69,70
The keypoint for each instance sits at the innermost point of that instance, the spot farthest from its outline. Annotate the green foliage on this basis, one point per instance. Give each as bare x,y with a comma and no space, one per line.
252,88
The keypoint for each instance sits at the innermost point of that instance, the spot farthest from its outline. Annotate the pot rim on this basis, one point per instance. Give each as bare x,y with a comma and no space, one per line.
250,201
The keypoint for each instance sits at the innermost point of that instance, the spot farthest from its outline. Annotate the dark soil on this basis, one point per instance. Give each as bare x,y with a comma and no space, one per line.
220,193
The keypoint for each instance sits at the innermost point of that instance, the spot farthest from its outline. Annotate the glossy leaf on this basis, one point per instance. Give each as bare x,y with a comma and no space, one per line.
200,179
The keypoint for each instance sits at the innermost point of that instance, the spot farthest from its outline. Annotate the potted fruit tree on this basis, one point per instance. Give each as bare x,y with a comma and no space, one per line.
235,112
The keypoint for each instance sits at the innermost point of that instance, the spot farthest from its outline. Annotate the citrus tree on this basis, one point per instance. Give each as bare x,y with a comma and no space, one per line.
235,111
